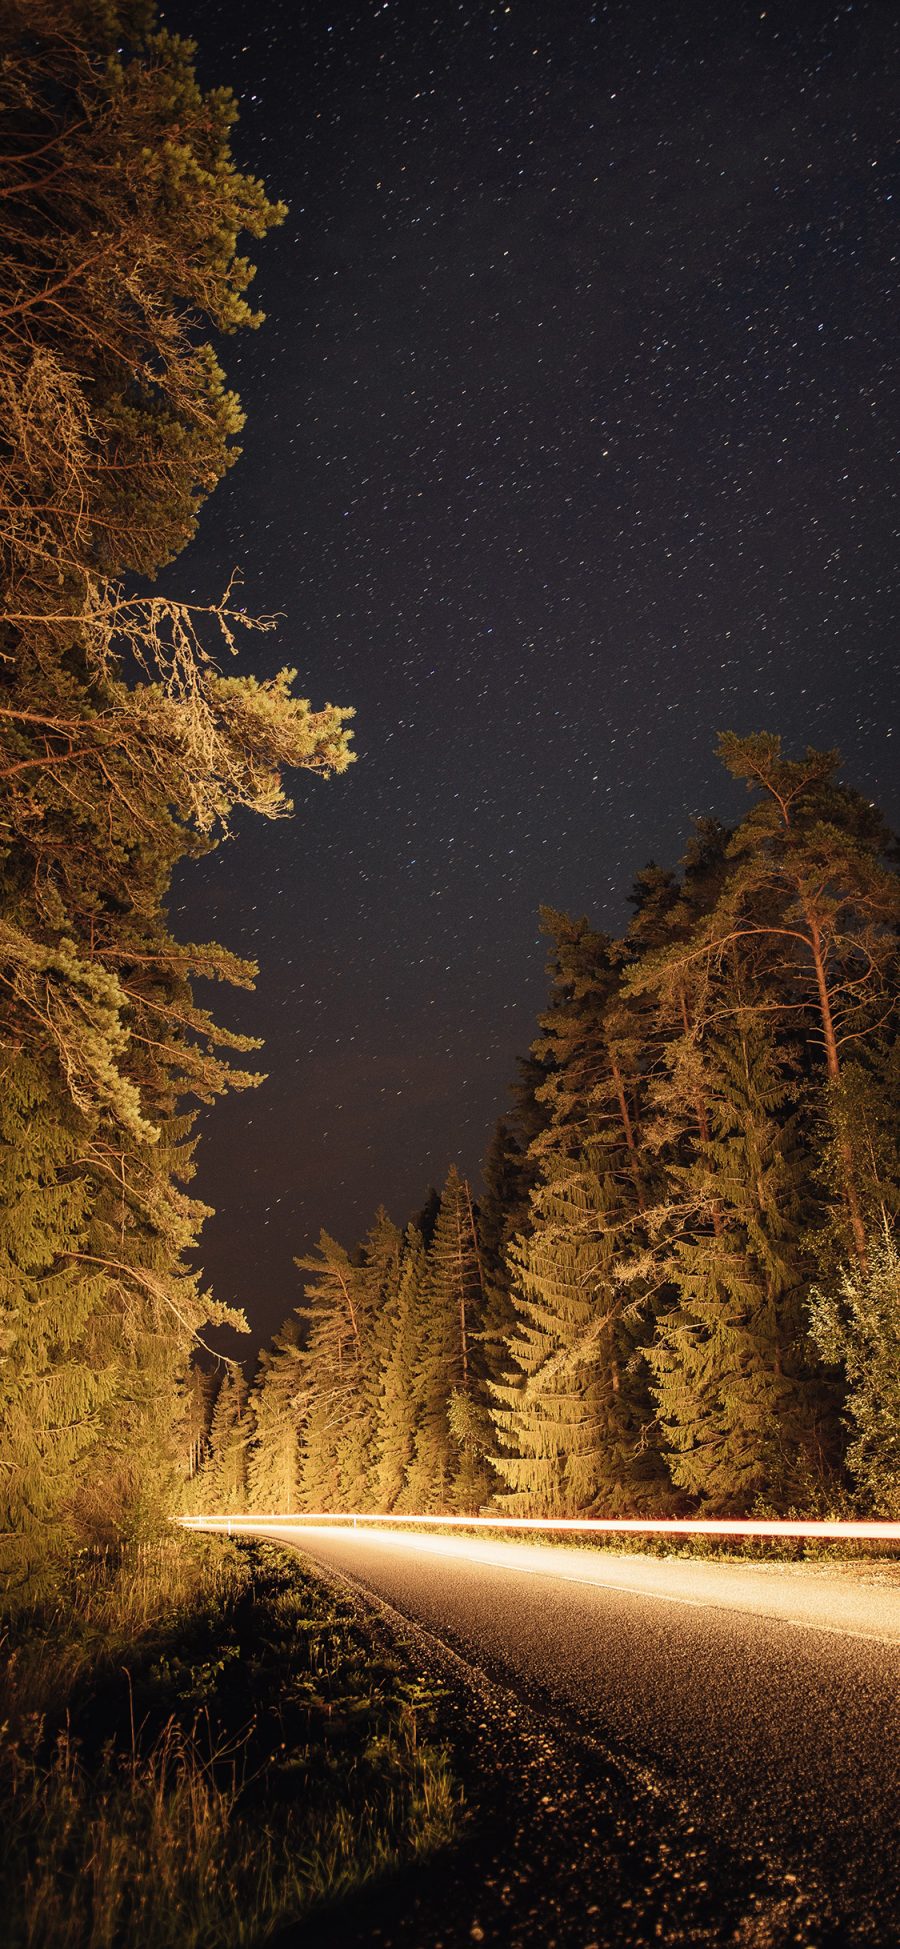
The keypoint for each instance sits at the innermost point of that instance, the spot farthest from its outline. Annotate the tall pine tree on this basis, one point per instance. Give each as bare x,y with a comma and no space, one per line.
124,750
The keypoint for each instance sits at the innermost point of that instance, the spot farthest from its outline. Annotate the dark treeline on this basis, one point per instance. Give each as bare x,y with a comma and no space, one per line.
679,1288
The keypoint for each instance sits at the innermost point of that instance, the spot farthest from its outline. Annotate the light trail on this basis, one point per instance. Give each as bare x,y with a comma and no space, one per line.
882,1532
383,1557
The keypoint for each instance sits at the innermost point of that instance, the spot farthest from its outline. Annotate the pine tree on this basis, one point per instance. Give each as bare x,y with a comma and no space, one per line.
629,1308
800,916
120,222
810,880
124,750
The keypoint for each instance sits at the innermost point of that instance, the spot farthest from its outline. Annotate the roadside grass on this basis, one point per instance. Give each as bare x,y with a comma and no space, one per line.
201,1741
861,1553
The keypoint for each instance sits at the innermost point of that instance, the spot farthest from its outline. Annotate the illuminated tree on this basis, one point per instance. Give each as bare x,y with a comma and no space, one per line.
224,1473
574,1418
330,1401
395,1435
123,748
351,1315
448,1468
377,1285
199,1400
786,988
121,213
623,1324
509,1177
274,1458
573,1412
858,1327
745,1408
53,1396
808,889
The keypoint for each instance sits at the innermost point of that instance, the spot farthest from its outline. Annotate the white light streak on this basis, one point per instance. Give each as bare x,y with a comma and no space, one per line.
883,1532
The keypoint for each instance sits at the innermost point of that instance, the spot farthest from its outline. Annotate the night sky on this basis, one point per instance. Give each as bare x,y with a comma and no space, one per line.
569,443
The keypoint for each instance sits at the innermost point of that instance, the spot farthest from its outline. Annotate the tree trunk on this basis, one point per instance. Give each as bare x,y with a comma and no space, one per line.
833,1071
627,1127
700,1113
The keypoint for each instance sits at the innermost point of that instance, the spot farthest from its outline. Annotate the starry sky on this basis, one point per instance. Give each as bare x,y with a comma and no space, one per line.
570,441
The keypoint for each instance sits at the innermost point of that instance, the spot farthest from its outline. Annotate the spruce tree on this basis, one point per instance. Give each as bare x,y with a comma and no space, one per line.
576,1421
593,1045
224,1473
397,1413
510,1172
199,1400
377,1281
746,1410
334,1430
449,1468
574,1418
509,1176
274,1457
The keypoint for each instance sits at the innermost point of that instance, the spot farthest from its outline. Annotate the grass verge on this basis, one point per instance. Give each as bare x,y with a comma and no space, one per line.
200,1741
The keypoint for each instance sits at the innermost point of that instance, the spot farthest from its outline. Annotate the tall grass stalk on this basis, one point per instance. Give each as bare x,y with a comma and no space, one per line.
187,1828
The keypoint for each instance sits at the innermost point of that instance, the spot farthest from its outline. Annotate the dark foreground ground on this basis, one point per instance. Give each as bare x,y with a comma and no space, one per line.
408,1744
198,1740
639,1770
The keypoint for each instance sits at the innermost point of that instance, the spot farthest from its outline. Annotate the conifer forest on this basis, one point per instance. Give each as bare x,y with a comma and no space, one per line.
675,1287
126,750
552,423
677,1290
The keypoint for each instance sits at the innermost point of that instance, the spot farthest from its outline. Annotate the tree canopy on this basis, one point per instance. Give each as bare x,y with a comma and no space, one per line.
678,1290
125,745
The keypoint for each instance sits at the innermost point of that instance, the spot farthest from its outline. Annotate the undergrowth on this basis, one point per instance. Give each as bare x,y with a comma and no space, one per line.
200,1741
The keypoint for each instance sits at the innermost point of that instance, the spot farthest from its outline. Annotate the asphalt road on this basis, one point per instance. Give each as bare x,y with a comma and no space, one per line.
751,1712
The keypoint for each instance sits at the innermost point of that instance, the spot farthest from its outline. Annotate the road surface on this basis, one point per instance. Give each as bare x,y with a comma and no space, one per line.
755,1708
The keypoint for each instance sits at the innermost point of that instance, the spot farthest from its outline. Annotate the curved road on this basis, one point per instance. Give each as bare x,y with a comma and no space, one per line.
757,1705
